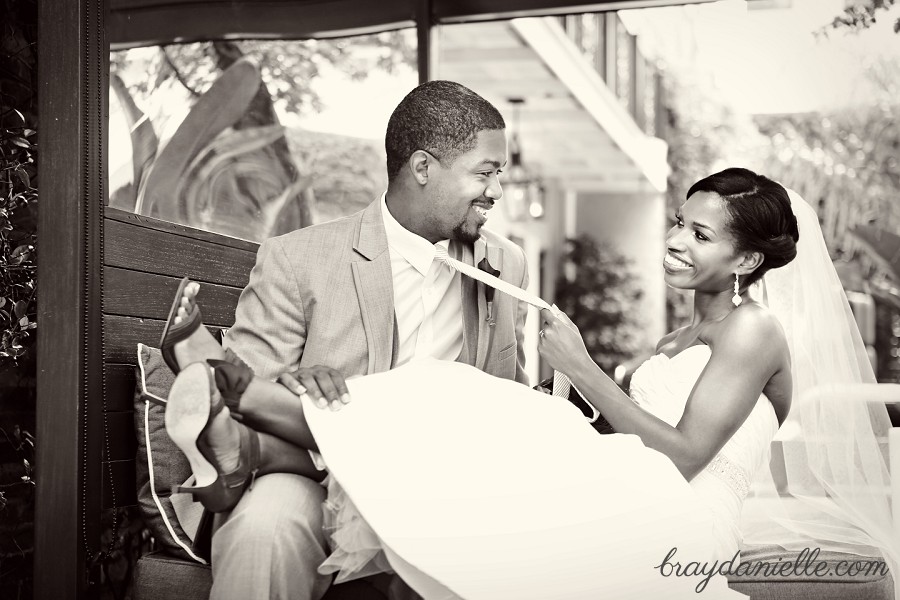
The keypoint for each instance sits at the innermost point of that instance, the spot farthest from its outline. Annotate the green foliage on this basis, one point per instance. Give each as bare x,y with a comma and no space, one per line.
18,236
289,67
601,298
18,206
846,164
862,15
17,491
18,181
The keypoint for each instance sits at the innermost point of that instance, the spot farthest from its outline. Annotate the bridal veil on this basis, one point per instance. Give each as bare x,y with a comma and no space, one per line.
828,483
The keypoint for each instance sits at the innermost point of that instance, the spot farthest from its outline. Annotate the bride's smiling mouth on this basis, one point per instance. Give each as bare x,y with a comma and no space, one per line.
676,264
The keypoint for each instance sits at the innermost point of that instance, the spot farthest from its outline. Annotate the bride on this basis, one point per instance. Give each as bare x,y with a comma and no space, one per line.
716,391
475,487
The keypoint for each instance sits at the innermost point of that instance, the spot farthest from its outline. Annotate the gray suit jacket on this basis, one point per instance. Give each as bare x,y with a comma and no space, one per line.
324,295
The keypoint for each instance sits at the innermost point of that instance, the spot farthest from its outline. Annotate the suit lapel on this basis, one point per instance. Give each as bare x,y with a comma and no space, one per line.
375,288
374,283
476,329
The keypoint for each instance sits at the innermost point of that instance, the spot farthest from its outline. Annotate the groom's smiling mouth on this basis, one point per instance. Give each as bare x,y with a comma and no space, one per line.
675,264
481,208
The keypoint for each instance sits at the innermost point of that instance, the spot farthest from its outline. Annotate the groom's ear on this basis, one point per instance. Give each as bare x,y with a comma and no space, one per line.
750,263
420,163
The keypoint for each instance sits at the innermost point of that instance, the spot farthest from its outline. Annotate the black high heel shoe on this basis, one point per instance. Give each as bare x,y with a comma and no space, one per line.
194,401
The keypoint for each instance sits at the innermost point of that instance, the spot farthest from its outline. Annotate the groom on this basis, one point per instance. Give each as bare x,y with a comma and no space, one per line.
364,294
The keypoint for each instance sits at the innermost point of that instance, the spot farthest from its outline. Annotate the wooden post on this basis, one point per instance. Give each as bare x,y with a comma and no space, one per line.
631,91
71,71
660,114
639,86
599,57
612,41
424,34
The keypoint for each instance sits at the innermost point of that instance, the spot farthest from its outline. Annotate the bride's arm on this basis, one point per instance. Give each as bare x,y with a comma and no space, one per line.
746,355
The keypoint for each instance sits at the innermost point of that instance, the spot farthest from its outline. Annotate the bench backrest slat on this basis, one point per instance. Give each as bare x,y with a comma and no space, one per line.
149,296
126,332
139,248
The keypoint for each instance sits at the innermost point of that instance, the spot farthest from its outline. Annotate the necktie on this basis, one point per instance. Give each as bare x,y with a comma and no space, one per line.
561,383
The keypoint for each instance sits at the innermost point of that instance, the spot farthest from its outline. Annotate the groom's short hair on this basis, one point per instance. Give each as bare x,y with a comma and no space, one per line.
441,117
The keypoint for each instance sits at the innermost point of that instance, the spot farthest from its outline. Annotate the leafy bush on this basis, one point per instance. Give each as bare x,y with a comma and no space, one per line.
601,299
18,191
18,228
860,15
18,236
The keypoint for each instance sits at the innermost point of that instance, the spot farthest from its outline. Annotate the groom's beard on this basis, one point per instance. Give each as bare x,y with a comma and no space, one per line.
467,237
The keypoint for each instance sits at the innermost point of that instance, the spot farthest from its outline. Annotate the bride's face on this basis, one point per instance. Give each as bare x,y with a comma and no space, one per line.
700,251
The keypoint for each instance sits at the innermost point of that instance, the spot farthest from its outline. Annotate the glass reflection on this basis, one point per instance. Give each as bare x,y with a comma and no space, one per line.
222,136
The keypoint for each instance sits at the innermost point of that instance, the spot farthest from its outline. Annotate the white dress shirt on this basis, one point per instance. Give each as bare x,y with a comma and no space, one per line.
427,296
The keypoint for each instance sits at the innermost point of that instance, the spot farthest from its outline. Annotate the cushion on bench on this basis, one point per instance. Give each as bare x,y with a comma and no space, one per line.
159,576
160,464
871,583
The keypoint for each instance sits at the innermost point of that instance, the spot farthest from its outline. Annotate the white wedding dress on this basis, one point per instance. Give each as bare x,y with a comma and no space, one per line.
662,385
470,486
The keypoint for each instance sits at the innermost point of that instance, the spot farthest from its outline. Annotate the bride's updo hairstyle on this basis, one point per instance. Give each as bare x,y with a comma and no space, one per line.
760,216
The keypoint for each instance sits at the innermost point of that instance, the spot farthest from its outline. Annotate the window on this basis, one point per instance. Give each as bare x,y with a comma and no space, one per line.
254,138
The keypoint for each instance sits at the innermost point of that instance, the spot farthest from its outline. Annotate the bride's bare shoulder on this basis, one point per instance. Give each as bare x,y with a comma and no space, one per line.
754,327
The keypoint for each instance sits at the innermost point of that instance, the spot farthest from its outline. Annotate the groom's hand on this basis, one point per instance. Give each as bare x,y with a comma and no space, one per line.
323,385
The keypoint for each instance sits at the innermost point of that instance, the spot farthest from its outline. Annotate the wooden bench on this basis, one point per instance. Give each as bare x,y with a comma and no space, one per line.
144,260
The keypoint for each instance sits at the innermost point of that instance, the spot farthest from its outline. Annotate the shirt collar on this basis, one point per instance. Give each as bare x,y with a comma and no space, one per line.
414,249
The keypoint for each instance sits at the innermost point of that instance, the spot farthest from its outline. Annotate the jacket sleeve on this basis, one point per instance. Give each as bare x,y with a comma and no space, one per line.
269,331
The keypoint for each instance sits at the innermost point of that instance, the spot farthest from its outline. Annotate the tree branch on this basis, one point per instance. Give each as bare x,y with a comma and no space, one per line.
178,75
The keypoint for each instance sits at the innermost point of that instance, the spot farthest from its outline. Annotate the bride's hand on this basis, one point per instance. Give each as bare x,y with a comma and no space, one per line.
560,342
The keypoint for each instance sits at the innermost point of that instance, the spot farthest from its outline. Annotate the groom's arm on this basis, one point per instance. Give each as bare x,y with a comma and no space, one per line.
269,331
270,328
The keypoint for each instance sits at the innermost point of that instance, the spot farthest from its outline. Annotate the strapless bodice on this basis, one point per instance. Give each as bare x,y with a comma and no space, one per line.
662,386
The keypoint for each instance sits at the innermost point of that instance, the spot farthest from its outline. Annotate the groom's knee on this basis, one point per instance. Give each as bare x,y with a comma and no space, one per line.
274,533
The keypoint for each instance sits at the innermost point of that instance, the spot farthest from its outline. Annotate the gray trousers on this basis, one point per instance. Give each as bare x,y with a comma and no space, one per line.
271,543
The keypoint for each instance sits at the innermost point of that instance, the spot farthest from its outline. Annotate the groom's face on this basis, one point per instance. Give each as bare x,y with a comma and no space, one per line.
463,191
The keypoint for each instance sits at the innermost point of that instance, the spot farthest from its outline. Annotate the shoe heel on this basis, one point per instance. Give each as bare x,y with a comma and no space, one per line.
215,498
181,489
187,414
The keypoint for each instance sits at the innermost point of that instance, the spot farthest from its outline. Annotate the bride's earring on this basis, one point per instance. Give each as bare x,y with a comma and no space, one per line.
736,299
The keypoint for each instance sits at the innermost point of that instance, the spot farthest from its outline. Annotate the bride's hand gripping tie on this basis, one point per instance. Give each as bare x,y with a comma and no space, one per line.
560,342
